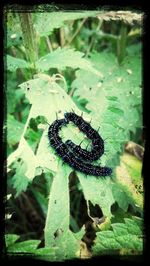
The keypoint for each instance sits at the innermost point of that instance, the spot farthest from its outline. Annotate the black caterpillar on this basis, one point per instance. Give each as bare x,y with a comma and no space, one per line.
97,142
73,154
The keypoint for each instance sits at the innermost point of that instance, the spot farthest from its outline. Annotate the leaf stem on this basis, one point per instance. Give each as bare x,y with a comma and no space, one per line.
121,46
29,37
76,32
49,44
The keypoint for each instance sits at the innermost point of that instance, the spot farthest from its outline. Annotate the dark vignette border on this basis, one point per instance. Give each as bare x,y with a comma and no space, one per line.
15,6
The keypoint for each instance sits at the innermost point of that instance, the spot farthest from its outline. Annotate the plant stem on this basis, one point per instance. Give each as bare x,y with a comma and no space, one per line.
121,47
92,42
29,37
49,44
62,37
76,32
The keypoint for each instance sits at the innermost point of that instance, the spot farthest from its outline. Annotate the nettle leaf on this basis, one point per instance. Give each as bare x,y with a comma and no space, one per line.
58,217
28,246
69,245
46,22
57,232
44,89
122,196
46,253
14,63
130,178
40,90
116,96
85,81
65,57
10,239
47,91
14,130
19,180
25,153
124,237
98,191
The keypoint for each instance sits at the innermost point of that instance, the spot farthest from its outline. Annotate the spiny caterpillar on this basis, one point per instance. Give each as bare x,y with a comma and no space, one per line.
73,154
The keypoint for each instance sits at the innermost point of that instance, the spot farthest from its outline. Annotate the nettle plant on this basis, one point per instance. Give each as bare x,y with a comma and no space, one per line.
88,63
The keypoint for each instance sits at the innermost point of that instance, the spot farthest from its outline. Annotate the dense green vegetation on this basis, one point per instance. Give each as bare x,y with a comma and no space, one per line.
88,61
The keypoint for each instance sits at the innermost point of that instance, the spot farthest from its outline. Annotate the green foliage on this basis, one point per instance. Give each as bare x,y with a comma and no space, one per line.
98,191
65,57
10,239
27,156
14,63
45,25
89,79
133,184
68,247
124,237
28,246
14,130
115,96
19,180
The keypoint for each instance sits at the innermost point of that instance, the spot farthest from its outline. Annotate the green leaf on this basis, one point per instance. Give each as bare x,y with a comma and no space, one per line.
116,96
47,22
13,39
41,90
121,196
116,110
134,225
26,154
28,246
85,83
126,237
19,180
11,94
65,57
10,239
134,167
13,63
14,130
57,217
46,253
57,231
98,191
129,178
69,245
